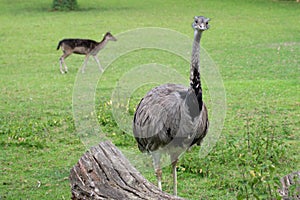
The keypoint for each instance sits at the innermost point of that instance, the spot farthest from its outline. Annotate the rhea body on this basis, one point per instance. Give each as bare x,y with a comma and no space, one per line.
171,118
84,47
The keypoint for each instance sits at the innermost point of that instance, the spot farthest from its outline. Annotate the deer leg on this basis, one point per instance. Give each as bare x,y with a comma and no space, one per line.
157,168
98,62
85,63
62,62
66,68
60,65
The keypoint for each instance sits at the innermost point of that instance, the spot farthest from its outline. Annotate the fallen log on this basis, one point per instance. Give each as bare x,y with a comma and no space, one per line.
103,172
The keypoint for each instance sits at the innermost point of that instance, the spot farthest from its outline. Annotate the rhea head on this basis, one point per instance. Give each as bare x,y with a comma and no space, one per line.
200,23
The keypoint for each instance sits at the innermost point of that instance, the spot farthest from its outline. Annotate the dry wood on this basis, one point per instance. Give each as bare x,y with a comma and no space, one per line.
104,173
288,182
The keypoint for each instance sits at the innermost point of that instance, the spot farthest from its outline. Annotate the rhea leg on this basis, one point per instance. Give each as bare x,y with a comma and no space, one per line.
157,168
98,62
174,159
174,172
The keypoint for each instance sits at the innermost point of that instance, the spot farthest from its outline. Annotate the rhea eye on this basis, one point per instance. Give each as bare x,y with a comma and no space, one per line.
206,23
196,21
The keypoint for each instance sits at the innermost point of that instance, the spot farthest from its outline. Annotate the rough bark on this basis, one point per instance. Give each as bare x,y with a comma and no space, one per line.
290,186
104,173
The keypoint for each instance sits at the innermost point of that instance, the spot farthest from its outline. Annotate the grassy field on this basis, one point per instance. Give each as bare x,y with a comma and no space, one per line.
255,45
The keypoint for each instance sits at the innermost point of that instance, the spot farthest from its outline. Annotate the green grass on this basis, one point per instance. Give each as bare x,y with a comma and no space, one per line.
255,45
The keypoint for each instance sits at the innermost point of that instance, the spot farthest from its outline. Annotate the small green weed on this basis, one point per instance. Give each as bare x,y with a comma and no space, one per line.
64,5
255,160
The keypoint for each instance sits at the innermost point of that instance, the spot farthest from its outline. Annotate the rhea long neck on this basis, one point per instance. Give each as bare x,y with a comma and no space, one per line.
195,81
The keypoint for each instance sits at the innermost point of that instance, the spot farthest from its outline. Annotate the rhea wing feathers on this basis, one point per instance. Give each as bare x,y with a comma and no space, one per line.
168,112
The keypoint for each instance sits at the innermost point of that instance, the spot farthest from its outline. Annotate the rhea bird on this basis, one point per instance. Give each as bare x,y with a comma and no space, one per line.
171,118
85,47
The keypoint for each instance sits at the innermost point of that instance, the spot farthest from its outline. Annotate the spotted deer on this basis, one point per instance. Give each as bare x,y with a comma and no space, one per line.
85,47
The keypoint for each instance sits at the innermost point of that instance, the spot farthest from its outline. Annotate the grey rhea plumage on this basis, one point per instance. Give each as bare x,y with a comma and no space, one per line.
171,117
162,112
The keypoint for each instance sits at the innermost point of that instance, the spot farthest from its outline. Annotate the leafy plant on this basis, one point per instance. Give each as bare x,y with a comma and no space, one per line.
64,5
248,164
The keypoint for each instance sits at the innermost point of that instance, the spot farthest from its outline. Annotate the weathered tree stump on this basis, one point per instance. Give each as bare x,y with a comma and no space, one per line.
287,182
104,173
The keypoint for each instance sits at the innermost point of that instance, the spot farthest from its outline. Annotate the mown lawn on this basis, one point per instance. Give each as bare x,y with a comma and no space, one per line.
255,46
